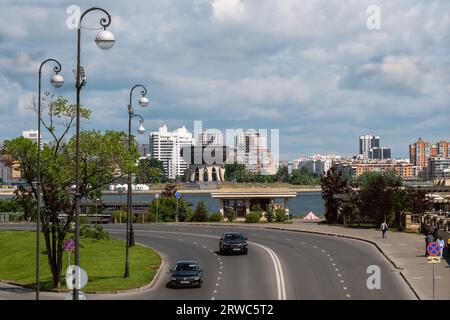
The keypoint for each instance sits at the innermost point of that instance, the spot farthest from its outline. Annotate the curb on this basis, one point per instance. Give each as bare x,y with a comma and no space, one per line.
148,286
332,235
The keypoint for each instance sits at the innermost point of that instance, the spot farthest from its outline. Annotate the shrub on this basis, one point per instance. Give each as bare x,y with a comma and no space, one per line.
215,217
270,215
119,216
280,215
95,232
201,213
230,216
252,218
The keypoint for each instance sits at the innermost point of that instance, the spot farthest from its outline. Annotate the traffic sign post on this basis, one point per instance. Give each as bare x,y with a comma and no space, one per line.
434,250
178,196
157,203
69,245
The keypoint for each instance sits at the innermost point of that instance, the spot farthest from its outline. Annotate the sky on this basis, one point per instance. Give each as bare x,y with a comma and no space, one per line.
323,72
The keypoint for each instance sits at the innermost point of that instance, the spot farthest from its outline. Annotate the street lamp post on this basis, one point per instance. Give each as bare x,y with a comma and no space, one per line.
57,81
104,40
143,102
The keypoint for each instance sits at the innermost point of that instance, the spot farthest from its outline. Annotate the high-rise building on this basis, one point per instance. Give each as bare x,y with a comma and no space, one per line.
420,152
367,142
210,137
380,153
442,149
166,146
436,167
31,134
251,149
144,150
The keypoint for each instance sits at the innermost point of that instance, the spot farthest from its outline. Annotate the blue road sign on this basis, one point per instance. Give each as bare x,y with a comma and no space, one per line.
434,249
177,195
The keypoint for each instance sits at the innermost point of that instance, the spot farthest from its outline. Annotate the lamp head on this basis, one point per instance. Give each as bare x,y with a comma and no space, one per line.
57,80
143,101
105,40
141,129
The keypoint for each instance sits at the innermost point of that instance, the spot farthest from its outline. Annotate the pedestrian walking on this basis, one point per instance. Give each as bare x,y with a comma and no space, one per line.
384,229
428,239
441,244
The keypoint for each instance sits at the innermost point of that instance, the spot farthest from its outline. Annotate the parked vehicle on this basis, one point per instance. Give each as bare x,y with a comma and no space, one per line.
233,242
186,273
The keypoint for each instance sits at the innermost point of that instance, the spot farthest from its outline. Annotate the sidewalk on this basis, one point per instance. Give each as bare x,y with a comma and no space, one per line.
404,250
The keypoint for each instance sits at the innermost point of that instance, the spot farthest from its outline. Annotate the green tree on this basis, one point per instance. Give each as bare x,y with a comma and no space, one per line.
236,172
150,171
104,157
333,183
200,213
303,177
380,196
282,174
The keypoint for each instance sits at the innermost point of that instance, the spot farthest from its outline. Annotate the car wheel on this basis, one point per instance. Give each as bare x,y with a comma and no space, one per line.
245,252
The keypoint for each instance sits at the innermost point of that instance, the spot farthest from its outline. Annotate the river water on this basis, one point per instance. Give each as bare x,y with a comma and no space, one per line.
303,203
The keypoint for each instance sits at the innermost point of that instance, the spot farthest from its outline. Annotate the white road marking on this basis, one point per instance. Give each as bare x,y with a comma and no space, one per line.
334,264
281,288
331,259
348,296
403,244
194,242
342,281
180,239
204,247
345,288
213,298
339,275
220,272
218,278
288,239
217,284
215,291
323,250
416,278
221,267
336,269
303,242
315,247
387,245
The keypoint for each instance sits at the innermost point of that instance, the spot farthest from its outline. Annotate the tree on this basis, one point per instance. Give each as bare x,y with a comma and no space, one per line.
303,177
150,171
380,196
201,213
418,201
333,183
236,172
282,174
103,159
164,208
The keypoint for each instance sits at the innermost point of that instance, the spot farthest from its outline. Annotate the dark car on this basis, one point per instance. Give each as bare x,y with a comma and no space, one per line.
186,273
233,242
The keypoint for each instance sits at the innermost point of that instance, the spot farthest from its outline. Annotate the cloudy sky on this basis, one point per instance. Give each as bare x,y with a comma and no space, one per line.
310,68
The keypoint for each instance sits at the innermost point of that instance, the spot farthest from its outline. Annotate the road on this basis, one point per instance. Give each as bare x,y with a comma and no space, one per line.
279,265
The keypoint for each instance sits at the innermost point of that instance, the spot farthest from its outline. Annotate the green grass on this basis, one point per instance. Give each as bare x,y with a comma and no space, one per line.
103,261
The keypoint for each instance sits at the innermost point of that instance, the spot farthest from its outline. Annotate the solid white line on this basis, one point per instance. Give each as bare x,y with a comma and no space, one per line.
278,272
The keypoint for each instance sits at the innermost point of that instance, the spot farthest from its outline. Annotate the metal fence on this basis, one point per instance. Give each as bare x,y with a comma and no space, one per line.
6,217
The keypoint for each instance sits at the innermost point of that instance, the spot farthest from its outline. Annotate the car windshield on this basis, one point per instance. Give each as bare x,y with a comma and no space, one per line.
186,267
234,236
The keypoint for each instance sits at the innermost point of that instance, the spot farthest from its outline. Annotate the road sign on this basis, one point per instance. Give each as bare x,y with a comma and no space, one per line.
434,260
76,277
69,245
157,195
81,296
434,249
177,195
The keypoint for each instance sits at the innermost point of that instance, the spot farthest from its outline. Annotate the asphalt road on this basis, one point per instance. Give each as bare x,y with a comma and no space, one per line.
279,265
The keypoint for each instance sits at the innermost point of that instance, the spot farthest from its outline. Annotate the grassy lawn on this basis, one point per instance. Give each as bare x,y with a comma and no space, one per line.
103,261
